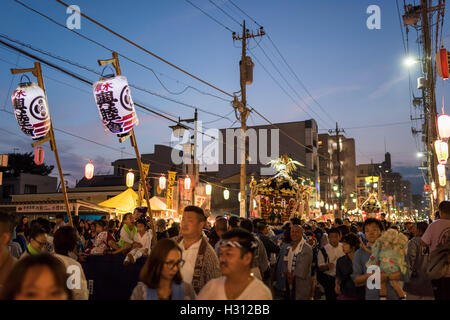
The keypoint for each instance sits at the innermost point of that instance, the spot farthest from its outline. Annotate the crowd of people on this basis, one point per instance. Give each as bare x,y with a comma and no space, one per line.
233,258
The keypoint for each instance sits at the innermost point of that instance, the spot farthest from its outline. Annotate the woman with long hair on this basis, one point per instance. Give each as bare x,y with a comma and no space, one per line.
160,277
37,277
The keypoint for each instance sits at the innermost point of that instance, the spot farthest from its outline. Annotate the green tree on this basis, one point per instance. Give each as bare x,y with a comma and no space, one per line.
24,163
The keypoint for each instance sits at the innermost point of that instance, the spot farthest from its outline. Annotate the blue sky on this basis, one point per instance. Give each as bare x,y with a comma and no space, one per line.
355,73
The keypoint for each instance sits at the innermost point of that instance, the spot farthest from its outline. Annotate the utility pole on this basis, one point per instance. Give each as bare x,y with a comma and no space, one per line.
50,137
246,77
338,213
115,62
429,100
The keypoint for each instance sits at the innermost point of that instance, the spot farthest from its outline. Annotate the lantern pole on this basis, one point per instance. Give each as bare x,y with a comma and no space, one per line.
37,72
115,62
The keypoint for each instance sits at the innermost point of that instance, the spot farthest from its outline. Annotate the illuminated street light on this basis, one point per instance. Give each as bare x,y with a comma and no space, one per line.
410,61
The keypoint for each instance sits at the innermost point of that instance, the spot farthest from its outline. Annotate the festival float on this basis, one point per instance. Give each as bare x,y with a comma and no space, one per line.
281,197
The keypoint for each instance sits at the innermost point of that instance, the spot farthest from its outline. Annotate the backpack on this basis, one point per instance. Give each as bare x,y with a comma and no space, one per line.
438,264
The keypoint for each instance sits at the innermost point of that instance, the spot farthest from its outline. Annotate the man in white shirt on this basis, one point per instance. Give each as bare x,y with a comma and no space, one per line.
201,262
237,283
326,260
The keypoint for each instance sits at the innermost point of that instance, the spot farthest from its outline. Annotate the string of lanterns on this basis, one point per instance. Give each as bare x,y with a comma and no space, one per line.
441,146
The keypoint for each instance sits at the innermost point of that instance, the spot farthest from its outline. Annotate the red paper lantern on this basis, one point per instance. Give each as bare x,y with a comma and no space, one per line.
39,156
442,63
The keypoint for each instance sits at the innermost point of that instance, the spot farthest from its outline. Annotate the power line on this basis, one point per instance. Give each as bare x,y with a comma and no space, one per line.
145,50
279,85
226,13
99,73
288,65
125,57
290,86
209,16
245,13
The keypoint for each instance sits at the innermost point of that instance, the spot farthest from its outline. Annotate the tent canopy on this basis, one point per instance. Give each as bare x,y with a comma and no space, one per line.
128,200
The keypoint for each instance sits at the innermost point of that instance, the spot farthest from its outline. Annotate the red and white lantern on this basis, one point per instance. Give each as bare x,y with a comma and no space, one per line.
89,171
115,105
31,109
443,122
39,156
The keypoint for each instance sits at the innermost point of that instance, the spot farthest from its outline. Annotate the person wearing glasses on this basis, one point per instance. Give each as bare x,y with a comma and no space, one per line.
38,241
160,277
237,250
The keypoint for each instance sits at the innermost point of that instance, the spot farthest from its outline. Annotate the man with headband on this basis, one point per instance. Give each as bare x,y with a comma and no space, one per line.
237,283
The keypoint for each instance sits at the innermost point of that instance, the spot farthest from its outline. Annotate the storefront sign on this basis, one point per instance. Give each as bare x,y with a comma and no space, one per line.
32,208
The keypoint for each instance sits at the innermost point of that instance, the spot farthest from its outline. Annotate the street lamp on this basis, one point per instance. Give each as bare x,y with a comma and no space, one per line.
410,61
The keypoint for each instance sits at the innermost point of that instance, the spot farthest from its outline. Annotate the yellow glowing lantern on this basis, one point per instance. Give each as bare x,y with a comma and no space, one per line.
130,179
226,194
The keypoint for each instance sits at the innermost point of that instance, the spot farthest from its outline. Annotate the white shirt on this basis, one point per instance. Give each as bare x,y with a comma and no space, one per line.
189,256
82,292
333,254
145,240
215,290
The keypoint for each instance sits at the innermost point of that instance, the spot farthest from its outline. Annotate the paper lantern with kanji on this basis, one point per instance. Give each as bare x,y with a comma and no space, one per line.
89,171
115,105
441,148
443,122
39,156
31,109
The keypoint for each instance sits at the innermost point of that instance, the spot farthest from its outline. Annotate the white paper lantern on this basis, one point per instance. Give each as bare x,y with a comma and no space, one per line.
162,182
443,122
115,105
441,170
443,181
208,189
31,110
89,171
226,194
187,183
239,197
441,148
130,179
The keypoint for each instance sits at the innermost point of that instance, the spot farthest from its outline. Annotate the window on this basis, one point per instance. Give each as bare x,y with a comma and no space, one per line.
30,189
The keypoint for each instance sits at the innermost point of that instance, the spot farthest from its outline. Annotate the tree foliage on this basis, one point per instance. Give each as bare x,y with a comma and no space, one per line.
24,163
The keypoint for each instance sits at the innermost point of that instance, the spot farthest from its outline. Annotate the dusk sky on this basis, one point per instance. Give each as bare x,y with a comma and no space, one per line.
356,74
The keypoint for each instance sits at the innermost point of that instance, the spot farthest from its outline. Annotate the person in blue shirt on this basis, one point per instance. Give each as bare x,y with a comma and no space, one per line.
372,230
